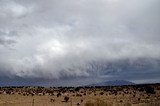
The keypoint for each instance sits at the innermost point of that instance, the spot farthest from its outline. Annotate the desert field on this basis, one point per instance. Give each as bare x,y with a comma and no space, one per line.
133,95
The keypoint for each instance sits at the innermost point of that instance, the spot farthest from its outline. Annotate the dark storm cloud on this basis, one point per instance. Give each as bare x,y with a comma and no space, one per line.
55,39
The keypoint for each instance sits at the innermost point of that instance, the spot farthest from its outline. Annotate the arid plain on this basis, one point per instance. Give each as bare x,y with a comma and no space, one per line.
133,95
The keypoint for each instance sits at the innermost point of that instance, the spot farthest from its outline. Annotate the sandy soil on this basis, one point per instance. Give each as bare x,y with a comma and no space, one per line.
144,95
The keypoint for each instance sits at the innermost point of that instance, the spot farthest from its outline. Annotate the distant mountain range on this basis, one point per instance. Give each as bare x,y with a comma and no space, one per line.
113,83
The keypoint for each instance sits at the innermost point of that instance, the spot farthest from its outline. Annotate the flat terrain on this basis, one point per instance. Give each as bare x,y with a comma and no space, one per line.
133,95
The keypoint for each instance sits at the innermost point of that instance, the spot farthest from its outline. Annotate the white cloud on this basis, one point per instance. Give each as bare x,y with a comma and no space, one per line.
55,37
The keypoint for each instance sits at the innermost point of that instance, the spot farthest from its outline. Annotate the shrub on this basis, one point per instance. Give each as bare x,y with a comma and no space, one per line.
149,90
66,98
59,94
101,93
77,89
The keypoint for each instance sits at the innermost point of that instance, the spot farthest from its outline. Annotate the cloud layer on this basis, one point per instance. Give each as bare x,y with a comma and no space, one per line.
65,39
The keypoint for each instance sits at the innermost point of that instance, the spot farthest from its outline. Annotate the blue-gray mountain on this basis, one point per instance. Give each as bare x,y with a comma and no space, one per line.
113,83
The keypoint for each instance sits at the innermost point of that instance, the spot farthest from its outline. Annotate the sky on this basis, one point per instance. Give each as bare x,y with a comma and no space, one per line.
69,42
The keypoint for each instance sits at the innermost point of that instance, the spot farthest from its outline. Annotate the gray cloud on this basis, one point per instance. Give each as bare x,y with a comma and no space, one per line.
54,39
7,39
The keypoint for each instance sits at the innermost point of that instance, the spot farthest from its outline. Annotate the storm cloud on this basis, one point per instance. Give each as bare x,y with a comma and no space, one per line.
86,39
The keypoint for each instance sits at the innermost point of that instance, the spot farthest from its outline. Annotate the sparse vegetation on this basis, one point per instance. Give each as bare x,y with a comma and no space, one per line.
81,96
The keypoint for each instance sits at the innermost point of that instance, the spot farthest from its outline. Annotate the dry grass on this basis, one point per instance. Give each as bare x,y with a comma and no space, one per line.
142,95
97,103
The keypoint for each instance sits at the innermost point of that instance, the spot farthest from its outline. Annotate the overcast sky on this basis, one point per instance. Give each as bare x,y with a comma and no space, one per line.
77,41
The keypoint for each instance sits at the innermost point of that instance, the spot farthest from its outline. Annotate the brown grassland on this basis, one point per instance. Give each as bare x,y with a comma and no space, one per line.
133,95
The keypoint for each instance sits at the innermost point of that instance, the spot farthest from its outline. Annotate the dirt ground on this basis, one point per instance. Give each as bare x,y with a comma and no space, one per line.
137,95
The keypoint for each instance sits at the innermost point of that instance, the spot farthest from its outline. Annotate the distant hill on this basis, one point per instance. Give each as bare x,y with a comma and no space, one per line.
113,83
